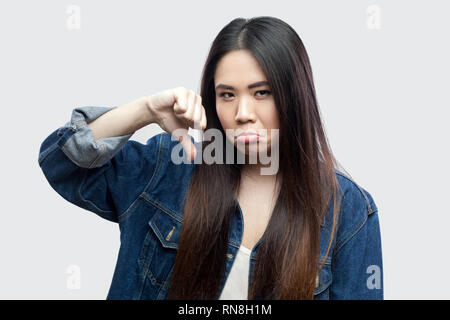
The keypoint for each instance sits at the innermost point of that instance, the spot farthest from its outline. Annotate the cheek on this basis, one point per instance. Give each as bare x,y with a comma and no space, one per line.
226,118
269,118
276,121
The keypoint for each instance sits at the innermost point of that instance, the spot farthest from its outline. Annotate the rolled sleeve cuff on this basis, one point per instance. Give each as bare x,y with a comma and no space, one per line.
81,148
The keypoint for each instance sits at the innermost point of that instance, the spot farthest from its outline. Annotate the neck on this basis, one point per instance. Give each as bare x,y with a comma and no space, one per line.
253,171
251,178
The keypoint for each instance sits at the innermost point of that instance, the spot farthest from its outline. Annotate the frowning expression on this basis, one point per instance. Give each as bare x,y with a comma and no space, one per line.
244,101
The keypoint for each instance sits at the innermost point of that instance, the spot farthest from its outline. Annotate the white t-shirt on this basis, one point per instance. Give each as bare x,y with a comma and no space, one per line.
236,285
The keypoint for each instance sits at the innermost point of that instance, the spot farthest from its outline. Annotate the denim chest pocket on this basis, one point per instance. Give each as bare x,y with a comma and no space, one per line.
159,249
323,282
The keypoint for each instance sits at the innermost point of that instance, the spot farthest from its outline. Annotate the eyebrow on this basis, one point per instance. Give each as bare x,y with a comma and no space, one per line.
253,85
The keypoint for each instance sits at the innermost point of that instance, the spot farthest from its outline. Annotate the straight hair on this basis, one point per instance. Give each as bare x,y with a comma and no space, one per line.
287,262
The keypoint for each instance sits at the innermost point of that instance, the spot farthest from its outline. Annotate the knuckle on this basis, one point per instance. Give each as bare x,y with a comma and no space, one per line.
187,116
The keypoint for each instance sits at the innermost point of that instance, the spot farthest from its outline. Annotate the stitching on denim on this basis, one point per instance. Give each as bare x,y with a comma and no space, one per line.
77,122
161,207
62,143
352,234
369,207
324,286
369,211
89,201
234,244
124,214
121,217
338,224
146,266
162,142
160,236
167,283
101,152
46,152
149,274
82,184
142,263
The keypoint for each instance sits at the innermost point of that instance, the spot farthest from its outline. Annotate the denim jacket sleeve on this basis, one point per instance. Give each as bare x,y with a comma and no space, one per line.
357,258
104,176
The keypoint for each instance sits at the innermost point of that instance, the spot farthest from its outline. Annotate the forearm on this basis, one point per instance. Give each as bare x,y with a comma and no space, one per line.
123,120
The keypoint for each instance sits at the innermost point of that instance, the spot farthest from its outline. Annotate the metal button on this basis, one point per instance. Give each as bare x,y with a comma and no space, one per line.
229,256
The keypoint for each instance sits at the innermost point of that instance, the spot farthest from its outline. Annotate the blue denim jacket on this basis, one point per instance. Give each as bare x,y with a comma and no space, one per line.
140,188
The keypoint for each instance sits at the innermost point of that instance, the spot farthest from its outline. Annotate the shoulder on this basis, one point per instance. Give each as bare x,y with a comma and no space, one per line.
351,190
357,205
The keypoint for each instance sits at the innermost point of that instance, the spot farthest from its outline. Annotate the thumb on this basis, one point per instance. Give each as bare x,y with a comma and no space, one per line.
187,145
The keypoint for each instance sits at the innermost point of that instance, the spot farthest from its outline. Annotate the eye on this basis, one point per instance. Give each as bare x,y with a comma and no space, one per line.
222,95
266,91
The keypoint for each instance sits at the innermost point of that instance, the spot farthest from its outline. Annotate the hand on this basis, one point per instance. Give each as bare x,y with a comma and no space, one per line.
178,108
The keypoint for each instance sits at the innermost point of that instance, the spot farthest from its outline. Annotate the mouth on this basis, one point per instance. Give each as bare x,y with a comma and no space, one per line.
248,137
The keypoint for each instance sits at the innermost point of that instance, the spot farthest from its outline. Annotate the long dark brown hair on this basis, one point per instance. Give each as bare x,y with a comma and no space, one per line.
288,255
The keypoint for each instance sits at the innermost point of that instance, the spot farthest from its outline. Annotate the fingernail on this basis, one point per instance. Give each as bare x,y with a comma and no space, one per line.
180,139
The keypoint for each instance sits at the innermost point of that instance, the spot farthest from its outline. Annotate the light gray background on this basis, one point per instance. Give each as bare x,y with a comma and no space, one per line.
383,94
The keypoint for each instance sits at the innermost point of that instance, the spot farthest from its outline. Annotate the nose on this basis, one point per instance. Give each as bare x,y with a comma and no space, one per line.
245,111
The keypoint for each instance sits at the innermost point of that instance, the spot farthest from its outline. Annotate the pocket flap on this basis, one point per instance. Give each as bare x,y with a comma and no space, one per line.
166,228
323,279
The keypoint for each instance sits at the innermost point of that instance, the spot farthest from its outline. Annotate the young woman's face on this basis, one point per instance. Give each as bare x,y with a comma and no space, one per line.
241,108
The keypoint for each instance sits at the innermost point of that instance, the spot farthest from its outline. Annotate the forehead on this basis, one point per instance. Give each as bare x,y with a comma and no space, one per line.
238,67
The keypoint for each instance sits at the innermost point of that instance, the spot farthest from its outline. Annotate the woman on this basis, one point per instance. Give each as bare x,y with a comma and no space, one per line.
224,229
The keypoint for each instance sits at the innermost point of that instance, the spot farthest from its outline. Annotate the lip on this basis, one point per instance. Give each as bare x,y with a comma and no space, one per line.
248,133
248,137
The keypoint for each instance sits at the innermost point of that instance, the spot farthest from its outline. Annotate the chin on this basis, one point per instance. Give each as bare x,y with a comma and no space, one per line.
253,148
